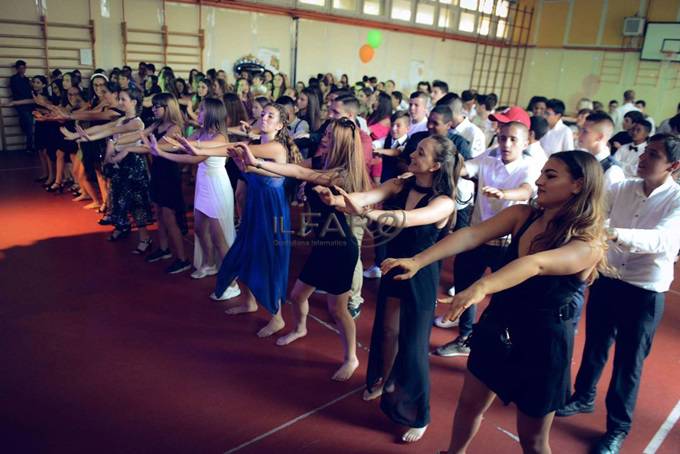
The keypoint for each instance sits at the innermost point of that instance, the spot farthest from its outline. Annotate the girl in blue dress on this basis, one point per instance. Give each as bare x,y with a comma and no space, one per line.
260,255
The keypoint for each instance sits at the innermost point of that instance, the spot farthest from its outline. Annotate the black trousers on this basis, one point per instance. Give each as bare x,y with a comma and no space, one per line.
618,311
25,114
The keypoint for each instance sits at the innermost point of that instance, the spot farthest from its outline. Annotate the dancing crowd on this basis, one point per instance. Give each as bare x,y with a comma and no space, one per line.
553,204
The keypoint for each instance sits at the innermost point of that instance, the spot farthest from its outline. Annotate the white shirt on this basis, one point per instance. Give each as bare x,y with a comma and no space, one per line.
472,134
648,230
539,155
619,113
491,171
417,127
363,125
614,174
629,156
559,138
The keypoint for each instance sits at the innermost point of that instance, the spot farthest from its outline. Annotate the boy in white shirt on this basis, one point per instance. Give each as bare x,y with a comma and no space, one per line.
464,127
626,304
593,137
417,109
505,177
629,154
559,137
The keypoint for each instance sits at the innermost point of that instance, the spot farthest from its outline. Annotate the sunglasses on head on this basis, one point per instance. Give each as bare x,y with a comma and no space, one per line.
346,122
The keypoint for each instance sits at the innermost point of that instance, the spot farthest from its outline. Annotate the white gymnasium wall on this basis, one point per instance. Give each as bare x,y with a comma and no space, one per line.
232,34
404,58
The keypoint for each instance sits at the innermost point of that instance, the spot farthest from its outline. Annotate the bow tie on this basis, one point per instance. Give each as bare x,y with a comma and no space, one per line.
634,148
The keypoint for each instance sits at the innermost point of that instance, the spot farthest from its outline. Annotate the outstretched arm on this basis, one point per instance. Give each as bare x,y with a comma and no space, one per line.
502,224
572,258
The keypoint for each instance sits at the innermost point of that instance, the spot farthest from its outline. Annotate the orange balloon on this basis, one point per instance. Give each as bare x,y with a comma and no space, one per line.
366,53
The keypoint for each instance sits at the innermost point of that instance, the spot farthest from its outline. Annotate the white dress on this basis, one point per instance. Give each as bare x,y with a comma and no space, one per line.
214,197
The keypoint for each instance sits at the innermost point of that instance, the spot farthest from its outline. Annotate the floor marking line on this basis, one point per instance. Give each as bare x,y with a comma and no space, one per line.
508,433
333,328
294,420
663,431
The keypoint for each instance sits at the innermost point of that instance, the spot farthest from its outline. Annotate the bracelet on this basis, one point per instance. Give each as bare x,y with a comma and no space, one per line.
258,164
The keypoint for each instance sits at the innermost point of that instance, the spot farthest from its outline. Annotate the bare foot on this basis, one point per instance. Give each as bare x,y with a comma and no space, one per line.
413,434
81,197
274,326
372,394
291,337
91,206
244,308
346,370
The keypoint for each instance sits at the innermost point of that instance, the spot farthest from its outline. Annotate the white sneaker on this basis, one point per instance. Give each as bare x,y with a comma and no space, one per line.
440,323
452,291
229,293
373,273
204,271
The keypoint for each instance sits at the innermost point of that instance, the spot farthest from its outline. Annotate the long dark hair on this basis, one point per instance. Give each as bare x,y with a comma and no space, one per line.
214,117
283,136
236,112
46,84
383,110
136,95
445,180
312,115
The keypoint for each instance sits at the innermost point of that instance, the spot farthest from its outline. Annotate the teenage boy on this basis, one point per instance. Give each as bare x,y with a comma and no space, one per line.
464,127
626,303
593,138
559,136
417,109
22,101
628,155
439,89
627,106
505,177
623,137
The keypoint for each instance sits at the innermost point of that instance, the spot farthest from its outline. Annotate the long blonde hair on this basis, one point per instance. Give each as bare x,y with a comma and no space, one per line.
582,217
346,156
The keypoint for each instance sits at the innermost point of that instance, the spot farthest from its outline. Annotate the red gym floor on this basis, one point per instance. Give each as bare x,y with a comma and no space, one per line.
103,353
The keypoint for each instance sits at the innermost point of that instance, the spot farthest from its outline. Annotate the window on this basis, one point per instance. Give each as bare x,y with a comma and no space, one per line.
468,4
401,10
446,2
486,6
484,26
350,5
467,22
501,30
314,2
502,8
445,19
425,14
372,7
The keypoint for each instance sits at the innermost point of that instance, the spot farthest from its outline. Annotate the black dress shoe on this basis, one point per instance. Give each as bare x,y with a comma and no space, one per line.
610,443
574,406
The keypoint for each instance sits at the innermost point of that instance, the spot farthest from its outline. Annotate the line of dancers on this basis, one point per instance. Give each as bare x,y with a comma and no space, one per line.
542,253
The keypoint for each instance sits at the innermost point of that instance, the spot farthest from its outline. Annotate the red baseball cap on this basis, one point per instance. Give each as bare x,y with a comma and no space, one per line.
513,113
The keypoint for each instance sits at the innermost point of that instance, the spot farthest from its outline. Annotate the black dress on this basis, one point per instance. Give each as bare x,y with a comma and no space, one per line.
165,186
335,251
129,191
535,372
409,403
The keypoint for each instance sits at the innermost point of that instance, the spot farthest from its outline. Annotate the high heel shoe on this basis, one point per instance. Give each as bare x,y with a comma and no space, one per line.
47,184
106,220
143,247
56,187
40,180
119,234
